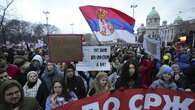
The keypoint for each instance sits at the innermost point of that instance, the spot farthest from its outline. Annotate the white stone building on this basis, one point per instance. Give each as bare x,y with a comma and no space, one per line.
167,33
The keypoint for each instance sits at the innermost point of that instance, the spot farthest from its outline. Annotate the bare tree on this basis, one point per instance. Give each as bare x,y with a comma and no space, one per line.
3,11
18,30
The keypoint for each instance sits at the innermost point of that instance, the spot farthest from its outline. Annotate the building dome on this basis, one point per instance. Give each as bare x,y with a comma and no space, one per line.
153,19
153,14
178,20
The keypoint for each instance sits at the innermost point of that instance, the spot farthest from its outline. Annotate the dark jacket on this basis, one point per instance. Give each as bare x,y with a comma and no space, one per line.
76,85
190,78
26,103
136,83
184,62
42,94
181,82
126,80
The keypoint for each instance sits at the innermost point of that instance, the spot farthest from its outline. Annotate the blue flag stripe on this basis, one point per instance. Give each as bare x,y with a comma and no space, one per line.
117,24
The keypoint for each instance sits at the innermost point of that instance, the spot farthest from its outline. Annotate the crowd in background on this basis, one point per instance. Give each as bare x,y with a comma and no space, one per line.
26,74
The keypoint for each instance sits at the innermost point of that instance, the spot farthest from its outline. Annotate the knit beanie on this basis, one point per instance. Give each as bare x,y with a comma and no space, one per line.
31,72
167,70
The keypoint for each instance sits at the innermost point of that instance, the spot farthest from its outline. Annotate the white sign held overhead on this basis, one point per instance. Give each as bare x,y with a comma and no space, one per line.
152,47
95,59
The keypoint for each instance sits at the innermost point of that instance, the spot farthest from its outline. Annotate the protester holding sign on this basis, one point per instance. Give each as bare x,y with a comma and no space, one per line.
100,84
129,78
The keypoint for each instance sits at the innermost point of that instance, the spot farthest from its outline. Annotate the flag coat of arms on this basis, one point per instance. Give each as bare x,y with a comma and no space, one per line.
109,24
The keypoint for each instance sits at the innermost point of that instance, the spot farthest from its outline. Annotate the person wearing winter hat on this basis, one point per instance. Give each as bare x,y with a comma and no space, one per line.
36,62
165,79
32,85
37,65
38,58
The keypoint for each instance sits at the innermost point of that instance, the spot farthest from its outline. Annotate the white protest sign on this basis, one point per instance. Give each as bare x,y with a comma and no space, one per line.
152,47
95,58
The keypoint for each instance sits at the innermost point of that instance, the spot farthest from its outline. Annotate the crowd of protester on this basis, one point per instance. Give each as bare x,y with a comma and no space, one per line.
26,74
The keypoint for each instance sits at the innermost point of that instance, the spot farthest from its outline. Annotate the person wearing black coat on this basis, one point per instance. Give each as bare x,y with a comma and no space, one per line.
74,83
190,76
42,94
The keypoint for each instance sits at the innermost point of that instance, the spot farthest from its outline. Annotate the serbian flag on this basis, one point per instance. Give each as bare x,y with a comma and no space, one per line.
109,24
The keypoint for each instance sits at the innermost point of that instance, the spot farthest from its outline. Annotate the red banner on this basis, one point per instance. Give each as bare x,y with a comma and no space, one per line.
136,99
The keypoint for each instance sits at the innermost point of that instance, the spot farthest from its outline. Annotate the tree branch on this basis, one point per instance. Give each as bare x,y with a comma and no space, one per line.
4,12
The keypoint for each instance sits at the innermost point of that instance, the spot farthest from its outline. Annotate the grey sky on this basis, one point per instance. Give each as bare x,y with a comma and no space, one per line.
65,12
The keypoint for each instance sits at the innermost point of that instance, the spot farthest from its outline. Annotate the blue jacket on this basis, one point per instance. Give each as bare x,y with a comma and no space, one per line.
184,62
56,73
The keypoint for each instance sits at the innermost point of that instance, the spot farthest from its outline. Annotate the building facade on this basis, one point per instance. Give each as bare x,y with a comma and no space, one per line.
167,33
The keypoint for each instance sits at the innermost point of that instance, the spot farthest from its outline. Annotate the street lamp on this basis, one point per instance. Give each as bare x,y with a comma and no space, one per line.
46,15
133,6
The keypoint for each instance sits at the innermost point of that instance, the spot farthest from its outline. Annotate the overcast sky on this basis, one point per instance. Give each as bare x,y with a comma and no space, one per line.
65,12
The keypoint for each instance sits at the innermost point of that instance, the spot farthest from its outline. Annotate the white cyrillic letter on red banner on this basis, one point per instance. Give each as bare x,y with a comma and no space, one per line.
133,100
177,104
154,103
91,106
115,102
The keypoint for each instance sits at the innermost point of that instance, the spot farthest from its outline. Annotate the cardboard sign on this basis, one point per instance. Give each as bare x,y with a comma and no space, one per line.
136,99
65,47
95,59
